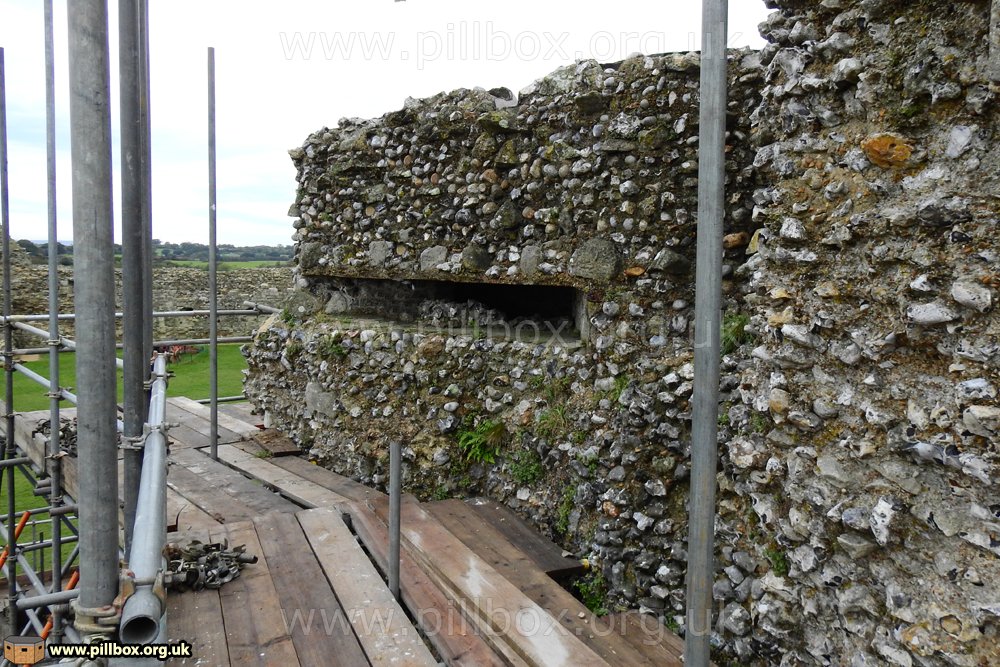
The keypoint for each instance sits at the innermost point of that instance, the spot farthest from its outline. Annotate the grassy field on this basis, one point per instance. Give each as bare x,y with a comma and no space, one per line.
190,379
191,373
225,266
29,395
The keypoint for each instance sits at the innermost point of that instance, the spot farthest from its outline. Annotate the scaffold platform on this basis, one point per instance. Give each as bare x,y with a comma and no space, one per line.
478,585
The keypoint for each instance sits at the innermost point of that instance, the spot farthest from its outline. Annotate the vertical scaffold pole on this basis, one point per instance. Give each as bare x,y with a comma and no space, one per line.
8,346
395,497
54,461
708,306
133,276
213,287
146,163
94,294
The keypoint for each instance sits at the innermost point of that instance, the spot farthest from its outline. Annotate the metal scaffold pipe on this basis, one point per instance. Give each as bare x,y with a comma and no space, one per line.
146,167
39,379
143,610
18,351
8,342
94,293
54,461
38,601
224,399
213,286
59,340
38,317
269,310
395,497
136,363
708,306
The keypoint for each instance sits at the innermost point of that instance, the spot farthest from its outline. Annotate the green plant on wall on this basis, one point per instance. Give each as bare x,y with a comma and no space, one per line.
556,387
330,347
724,413
566,508
758,422
621,382
779,562
733,332
593,592
482,443
526,467
552,421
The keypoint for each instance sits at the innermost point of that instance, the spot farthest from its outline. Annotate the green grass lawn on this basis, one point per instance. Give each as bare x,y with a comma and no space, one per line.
190,379
191,373
28,395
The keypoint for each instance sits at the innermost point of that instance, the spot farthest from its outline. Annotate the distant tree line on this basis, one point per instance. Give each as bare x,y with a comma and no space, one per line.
39,252
186,251
227,252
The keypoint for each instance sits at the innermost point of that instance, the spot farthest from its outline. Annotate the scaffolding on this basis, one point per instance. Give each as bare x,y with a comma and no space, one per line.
101,584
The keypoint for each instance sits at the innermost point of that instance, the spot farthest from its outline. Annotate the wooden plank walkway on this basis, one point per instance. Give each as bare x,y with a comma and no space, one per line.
517,568
514,549
478,585
379,622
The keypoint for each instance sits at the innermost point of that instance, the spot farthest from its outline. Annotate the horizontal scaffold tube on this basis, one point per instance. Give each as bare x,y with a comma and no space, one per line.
65,342
39,317
144,609
270,310
156,343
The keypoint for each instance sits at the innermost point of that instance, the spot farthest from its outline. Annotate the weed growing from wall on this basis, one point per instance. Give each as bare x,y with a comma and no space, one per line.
482,443
733,333
593,592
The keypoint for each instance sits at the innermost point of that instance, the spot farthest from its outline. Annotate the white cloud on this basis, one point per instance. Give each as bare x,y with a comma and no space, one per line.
365,59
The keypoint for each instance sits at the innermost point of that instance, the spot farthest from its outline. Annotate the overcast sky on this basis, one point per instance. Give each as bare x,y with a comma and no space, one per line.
286,69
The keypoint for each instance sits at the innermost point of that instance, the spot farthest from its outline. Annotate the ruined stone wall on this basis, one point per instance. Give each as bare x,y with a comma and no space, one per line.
873,301
173,289
587,182
859,518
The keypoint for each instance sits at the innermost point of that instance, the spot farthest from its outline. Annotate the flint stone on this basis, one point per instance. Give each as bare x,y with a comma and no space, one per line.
847,71
531,258
319,401
670,261
597,259
855,545
309,255
431,257
929,314
474,258
378,252
972,296
982,420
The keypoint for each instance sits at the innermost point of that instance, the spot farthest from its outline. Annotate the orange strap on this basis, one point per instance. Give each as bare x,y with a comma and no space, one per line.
70,586
17,533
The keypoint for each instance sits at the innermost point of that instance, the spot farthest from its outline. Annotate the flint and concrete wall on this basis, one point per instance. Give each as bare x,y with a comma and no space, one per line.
874,301
587,183
858,511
